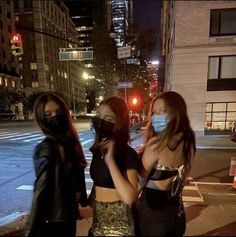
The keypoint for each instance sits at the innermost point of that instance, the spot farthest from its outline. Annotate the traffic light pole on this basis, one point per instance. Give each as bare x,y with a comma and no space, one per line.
125,78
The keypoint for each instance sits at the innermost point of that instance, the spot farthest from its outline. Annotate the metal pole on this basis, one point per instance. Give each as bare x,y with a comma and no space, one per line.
125,78
73,97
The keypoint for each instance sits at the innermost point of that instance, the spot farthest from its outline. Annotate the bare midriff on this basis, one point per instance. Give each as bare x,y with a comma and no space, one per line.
106,194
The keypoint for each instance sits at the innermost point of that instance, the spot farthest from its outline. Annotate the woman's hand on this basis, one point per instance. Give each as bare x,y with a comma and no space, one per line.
107,148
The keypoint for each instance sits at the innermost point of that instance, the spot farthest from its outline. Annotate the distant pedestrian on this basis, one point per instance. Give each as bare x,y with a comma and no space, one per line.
233,132
113,170
167,156
59,166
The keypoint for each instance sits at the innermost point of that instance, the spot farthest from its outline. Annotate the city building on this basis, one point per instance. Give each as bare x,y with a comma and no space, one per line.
46,29
10,68
120,17
199,46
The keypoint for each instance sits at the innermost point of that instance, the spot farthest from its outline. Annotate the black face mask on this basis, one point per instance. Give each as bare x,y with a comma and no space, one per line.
57,124
103,128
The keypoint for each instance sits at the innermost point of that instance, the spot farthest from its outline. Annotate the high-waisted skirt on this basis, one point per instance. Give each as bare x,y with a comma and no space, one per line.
158,214
112,219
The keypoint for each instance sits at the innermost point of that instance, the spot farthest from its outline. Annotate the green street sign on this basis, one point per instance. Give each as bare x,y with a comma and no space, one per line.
76,55
133,61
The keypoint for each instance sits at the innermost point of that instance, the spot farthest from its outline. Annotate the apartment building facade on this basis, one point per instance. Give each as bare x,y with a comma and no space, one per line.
199,46
46,28
9,68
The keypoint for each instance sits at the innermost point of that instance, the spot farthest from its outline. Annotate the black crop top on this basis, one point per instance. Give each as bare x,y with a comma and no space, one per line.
100,173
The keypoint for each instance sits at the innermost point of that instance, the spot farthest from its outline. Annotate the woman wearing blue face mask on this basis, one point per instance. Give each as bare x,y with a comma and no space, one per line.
166,161
59,167
113,170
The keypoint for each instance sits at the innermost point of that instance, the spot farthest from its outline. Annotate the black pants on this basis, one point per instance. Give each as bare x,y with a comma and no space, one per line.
61,229
160,215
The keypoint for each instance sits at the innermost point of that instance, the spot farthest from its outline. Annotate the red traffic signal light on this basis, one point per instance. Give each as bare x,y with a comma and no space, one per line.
134,101
16,44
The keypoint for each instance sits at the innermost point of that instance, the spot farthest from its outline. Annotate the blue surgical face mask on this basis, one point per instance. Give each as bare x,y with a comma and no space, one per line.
159,122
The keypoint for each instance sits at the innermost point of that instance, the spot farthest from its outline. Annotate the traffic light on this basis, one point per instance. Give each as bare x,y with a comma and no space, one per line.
134,101
16,45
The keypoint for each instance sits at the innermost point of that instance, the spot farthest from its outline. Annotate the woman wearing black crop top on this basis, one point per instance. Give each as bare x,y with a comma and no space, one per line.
113,170
166,158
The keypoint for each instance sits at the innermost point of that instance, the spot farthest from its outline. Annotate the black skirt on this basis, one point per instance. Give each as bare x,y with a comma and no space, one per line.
159,215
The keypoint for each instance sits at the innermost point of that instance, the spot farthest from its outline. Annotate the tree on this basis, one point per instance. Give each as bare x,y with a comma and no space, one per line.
106,63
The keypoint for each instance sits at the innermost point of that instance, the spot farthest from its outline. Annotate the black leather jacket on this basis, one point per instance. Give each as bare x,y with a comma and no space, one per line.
55,188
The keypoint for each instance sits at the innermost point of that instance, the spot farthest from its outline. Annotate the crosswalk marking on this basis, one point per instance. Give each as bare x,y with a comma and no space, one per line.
89,140
9,136
37,136
25,136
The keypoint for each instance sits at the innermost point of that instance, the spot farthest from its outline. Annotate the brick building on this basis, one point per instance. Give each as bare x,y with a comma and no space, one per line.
199,45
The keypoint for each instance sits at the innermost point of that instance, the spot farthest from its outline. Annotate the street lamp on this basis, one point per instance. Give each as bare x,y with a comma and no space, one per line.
85,76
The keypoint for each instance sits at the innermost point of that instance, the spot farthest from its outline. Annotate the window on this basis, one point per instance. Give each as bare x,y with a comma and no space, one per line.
13,84
221,73
223,22
1,81
35,84
33,66
220,116
6,82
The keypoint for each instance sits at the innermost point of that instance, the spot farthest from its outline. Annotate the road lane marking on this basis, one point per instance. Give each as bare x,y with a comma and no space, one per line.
19,135
211,183
26,187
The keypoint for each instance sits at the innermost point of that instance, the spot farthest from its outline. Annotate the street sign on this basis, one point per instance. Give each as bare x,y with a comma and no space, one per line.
123,52
133,61
125,85
76,55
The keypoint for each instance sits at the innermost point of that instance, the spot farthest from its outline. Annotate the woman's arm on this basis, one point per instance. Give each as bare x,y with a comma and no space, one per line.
41,188
126,186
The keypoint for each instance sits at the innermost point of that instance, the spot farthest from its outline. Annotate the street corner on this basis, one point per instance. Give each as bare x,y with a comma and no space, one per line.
13,224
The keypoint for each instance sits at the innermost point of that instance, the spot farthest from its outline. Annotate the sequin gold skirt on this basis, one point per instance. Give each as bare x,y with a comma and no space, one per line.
112,219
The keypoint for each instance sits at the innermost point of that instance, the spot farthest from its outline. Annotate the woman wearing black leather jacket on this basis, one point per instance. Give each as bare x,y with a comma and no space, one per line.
59,166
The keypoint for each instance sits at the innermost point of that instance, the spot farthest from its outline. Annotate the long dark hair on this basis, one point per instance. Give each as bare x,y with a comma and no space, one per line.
178,123
121,133
69,140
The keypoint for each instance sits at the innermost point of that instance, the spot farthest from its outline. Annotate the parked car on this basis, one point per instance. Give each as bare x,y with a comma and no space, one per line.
7,114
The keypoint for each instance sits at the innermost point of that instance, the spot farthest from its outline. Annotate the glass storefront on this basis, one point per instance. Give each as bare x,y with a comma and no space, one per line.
219,117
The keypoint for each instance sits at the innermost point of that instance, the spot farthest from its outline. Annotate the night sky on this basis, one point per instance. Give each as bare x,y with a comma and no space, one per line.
148,13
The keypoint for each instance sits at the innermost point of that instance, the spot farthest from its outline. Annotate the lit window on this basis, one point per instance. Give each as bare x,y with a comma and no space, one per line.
6,84
33,66
35,84
0,81
222,67
13,84
46,67
65,75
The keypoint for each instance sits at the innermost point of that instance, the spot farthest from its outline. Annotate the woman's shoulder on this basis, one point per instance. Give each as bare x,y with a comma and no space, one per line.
45,148
131,160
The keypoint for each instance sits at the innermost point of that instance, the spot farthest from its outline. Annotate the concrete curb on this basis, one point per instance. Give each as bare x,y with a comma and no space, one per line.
15,227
